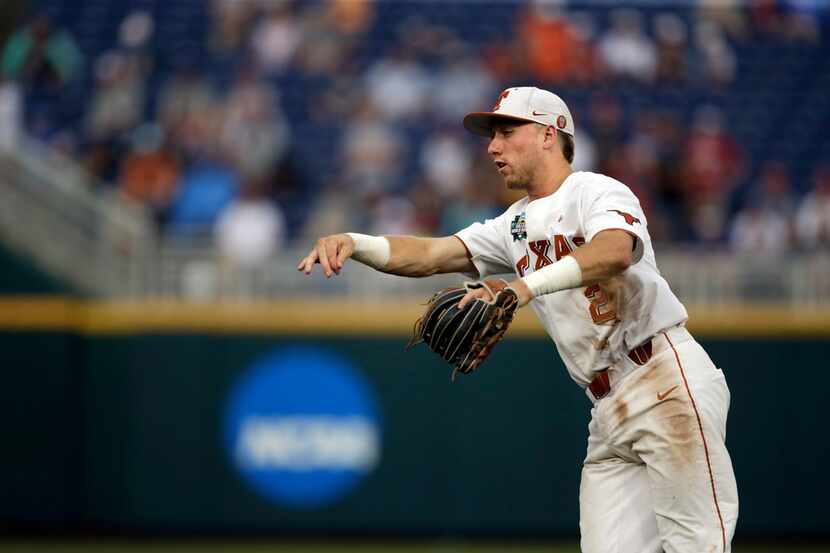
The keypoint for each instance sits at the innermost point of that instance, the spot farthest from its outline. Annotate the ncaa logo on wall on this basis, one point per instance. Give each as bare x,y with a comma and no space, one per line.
302,427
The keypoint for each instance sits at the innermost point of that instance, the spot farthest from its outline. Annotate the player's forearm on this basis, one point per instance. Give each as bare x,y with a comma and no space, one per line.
419,257
409,256
602,261
398,255
608,255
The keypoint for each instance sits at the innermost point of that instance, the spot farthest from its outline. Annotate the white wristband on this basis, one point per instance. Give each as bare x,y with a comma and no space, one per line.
565,273
373,251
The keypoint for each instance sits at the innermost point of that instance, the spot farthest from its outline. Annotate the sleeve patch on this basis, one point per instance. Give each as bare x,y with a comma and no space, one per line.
629,218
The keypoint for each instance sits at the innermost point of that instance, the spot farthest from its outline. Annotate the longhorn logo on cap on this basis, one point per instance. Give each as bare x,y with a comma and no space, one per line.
502,96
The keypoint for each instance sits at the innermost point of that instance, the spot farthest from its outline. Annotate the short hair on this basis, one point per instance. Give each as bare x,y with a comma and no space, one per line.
566,142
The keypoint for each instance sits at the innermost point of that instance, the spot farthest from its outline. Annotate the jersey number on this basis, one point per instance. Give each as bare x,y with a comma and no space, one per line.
601,311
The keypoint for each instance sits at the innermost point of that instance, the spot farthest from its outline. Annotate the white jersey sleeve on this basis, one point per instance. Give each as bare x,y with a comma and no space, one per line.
487,247
613,206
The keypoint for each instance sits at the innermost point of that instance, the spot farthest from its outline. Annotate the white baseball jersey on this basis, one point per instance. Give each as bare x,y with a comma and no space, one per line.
595,326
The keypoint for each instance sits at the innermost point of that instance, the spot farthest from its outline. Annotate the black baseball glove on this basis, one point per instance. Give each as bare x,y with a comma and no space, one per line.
465,337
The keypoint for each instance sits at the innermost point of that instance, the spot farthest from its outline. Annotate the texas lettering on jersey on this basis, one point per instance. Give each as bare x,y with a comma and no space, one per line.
558,247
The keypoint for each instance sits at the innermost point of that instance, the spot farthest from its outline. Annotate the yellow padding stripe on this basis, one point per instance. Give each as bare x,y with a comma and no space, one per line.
316,316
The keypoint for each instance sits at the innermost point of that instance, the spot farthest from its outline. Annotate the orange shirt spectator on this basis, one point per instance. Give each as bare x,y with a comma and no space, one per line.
713,160
150,178
552,44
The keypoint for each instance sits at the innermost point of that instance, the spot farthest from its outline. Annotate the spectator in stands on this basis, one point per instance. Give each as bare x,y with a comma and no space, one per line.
117,104
635,163
769,17
672,48
550,42
118,100
135,38
230,23
728,15
150,171
460,81
254,133
605,115
718,60
446,162
276,37
397,85
208,186
190,113
428,204
350,17
135,34
185,95
392,213
812,222
804,19
584,68
626,51
776,188
763,226
505,60
372,154
250,229
666,133
41,56
712,164
759,230
217,141
333,33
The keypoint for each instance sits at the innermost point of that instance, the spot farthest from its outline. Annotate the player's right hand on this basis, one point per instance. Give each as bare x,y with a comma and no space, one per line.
330,252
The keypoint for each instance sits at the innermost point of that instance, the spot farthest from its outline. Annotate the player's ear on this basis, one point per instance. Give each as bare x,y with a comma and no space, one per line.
551,140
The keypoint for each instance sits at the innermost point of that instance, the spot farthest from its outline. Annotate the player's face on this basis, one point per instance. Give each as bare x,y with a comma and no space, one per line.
515,149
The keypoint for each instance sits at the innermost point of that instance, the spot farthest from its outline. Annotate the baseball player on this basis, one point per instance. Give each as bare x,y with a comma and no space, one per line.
657,475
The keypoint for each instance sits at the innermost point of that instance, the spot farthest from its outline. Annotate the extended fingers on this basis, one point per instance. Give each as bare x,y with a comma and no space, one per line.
323,257
307,263
331,254
343,253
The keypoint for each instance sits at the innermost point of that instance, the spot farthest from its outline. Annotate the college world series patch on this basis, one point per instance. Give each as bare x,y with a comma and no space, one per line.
518,228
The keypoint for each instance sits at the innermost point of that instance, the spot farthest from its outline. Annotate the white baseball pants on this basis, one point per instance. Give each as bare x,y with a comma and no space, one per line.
657,476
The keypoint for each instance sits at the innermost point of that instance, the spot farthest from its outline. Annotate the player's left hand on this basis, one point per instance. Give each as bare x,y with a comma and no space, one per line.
494,285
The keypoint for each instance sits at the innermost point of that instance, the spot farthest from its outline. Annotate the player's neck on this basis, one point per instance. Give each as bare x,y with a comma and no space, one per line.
550,181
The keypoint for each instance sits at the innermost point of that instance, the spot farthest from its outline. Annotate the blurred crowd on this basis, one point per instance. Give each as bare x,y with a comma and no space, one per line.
290,119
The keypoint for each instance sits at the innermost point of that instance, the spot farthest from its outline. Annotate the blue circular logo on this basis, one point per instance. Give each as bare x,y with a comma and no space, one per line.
302,427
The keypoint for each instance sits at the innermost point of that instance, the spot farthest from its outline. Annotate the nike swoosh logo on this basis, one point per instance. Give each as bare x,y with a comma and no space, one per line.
661,397
537,113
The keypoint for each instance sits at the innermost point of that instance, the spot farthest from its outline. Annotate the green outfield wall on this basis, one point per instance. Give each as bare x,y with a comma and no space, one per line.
125,430
122,416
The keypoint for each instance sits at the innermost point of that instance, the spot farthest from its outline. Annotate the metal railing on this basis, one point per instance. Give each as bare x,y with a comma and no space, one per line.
99,242
702,278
